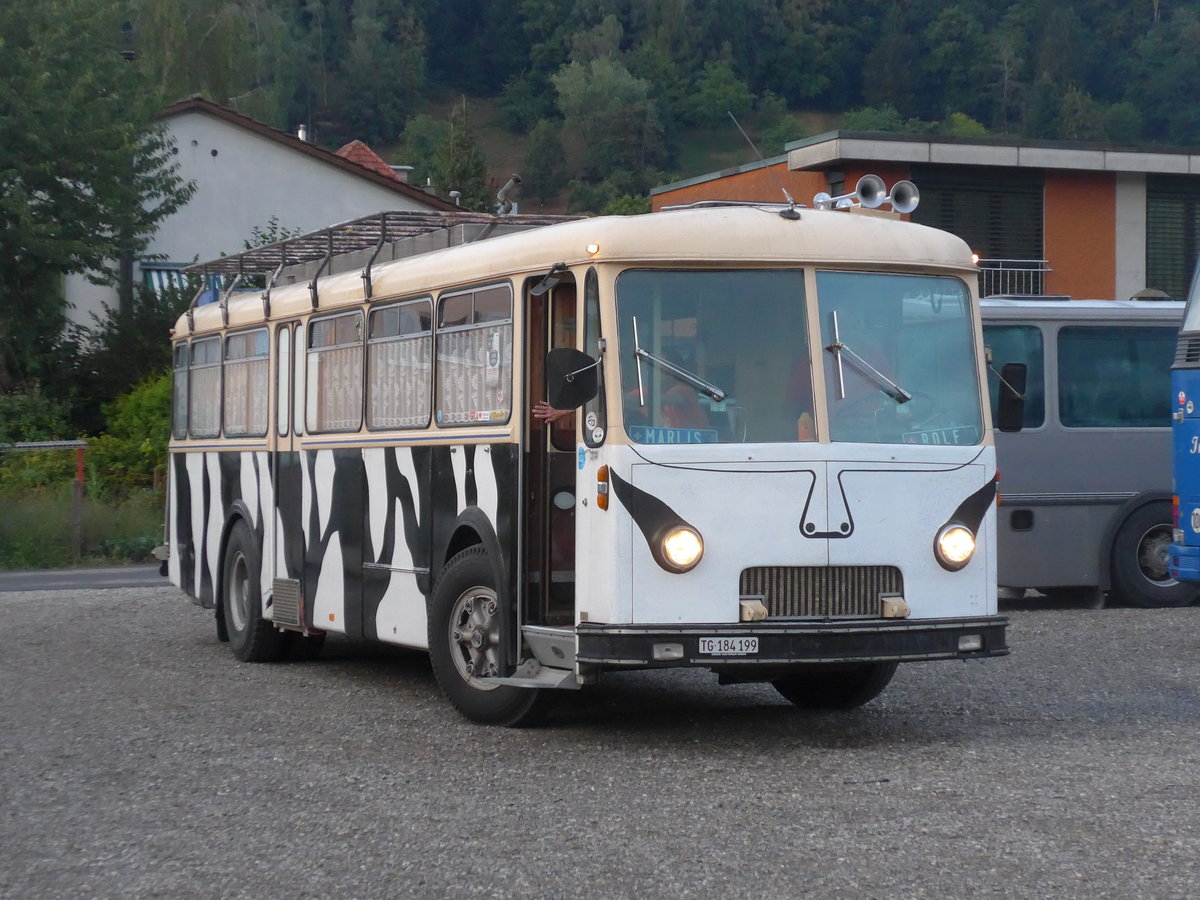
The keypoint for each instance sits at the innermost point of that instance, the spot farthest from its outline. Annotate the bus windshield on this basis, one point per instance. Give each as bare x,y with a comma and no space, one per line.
899,357
714,356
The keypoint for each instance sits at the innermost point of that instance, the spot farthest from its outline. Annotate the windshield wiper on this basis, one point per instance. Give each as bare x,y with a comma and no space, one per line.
689,378
838,348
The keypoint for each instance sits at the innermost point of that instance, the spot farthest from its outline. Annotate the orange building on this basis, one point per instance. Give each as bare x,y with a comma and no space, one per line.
1045,217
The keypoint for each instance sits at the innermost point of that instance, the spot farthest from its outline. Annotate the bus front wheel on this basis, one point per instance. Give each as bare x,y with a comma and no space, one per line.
252,638
464,642
1141,557
836,687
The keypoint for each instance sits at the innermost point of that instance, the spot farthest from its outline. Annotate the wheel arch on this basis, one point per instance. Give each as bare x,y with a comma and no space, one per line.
238,512
1118,518
471,528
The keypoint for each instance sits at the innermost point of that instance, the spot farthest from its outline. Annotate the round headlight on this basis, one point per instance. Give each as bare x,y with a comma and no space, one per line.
954,546
682,548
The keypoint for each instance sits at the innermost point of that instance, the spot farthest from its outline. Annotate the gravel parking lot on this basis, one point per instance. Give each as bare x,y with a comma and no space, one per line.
137,759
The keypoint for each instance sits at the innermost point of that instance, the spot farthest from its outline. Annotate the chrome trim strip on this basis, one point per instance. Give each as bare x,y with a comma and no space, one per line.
381,567
1065,499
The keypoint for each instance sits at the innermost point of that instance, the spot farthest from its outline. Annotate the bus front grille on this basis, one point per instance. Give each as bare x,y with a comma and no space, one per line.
794,591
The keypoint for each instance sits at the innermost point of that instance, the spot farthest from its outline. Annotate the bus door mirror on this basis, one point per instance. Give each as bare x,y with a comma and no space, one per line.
1011,414
571,378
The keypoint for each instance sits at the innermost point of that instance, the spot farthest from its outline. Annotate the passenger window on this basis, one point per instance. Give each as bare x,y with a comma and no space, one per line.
335,374
400,363
179,392
1018,344
474,357
204,398
246,384
1115,376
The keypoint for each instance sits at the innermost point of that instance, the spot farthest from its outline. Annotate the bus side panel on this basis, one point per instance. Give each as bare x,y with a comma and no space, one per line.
181,562
244,480
1052,544
289,546
333,539
1185,431
473,484
397,535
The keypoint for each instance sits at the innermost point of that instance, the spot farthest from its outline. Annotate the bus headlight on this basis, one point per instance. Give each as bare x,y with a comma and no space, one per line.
954,546
682,548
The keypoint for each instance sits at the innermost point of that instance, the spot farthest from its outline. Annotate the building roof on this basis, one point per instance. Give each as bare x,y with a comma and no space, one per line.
831,149
350,166
357,151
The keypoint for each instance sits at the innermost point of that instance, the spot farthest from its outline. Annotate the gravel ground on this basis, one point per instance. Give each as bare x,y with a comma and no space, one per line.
137,759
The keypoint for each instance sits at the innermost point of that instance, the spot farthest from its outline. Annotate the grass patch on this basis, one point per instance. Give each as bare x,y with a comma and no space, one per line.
35,530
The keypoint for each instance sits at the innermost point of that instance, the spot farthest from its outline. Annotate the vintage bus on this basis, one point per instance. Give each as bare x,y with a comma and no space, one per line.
769,453
1085,492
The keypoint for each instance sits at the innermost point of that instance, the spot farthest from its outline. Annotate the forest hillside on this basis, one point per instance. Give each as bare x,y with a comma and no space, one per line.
598,99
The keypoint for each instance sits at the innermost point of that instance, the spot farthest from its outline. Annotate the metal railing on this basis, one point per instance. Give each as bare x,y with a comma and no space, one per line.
1012,276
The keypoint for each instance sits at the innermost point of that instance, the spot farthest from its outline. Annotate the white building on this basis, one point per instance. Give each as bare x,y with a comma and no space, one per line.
246,173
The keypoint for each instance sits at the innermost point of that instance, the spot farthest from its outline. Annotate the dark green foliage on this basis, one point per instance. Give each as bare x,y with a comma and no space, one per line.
121,349
132,451
85,177
459,165
545,171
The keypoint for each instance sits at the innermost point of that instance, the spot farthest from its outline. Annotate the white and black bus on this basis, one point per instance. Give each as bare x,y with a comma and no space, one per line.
770,453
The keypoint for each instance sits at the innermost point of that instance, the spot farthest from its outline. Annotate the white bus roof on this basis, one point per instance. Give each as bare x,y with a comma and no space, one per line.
695,237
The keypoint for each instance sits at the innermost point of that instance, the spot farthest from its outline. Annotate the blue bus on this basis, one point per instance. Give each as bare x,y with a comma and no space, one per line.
1185,435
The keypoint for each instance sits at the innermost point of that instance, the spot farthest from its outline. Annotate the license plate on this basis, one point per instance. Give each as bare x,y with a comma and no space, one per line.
728,646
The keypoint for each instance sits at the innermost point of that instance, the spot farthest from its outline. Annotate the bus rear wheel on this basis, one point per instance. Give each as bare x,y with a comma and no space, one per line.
835,687
464,642
1141,558
251,637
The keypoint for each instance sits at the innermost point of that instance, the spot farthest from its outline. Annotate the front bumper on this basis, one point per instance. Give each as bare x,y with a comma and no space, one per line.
791,641
1185,562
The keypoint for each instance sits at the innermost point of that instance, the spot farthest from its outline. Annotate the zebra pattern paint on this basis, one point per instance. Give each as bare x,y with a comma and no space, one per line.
365,531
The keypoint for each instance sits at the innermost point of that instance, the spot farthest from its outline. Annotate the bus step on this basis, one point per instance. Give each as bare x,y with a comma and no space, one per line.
532,674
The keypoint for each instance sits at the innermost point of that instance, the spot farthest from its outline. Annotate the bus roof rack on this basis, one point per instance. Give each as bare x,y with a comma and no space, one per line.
357,234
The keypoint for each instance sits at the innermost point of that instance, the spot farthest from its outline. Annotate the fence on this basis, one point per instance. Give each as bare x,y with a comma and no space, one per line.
1012,276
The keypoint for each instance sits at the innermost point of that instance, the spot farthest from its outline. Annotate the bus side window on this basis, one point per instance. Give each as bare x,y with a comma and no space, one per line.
1018,344
1115,376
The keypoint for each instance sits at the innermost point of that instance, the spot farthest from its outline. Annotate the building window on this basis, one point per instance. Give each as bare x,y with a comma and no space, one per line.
999,213
1172,233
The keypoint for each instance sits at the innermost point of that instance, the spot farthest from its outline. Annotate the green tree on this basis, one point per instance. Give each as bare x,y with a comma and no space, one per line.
422,137
716,93
613,112
120,349
545,168
459,164
384,69
132,451
85,176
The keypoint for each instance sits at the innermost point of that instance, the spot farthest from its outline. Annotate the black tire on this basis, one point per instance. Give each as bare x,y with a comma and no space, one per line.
836,687
1140,560
465,595
251,637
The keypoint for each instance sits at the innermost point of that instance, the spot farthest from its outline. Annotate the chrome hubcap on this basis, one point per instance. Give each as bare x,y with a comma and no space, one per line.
475,636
